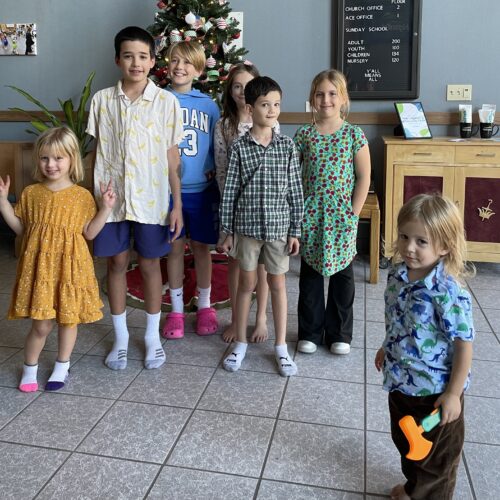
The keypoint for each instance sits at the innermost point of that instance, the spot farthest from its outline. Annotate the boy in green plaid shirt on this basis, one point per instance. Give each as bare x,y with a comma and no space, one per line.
261,214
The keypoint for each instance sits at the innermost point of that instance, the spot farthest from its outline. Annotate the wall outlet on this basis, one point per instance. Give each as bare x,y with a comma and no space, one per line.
308,107
459,92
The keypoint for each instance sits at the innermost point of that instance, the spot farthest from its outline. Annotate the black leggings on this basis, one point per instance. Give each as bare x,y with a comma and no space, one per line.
335,321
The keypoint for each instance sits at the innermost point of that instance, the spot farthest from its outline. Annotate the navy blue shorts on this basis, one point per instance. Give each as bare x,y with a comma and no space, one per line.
150,240
201,215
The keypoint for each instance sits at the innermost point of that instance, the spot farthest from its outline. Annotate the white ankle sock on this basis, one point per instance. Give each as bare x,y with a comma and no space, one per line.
204,298
286,366
177,299
58,377
28,380
117,358
155,355
60,372
233,361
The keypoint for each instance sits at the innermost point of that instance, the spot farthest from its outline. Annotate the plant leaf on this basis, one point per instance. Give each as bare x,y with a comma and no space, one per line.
27,113
40,126
80,114
50,117
67,107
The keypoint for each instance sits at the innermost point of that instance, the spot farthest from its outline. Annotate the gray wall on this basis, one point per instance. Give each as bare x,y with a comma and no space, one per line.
289,40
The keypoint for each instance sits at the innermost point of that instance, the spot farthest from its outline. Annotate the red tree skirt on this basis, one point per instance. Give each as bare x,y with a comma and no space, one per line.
219,294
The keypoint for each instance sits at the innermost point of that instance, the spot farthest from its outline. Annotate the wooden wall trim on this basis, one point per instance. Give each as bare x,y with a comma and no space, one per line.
17,116
381,118
293,118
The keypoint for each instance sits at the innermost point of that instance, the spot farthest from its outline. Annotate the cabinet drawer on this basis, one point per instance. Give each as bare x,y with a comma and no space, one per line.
478,154
421,153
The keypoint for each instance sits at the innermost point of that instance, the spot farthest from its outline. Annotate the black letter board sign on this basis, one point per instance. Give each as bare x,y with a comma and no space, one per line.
378,47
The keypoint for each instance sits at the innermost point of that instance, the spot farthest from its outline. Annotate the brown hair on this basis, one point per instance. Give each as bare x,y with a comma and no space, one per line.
230,118
62,141
443,223
336,78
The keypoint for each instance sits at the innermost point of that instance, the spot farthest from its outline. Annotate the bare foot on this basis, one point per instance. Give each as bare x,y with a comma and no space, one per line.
399,493
259,333
229,334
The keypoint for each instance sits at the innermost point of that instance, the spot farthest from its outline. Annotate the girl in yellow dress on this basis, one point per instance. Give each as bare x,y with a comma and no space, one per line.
55,274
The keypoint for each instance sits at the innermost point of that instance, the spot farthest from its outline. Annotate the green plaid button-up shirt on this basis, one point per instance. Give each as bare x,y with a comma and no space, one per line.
263,191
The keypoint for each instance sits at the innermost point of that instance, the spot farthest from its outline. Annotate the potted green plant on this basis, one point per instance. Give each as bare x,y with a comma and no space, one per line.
75,119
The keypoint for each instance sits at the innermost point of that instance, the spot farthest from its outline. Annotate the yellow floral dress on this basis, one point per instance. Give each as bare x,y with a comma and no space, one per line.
55,273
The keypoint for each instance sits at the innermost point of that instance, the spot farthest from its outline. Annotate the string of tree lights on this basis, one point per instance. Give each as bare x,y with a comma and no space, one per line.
209,23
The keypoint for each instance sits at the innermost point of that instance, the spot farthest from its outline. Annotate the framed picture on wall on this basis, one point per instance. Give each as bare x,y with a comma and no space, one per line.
413,121
18,39
378,47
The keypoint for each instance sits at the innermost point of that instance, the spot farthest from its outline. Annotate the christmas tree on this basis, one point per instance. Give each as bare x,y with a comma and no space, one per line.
207,22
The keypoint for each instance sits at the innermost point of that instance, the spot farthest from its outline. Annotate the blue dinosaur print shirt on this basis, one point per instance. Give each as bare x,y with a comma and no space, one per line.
422,319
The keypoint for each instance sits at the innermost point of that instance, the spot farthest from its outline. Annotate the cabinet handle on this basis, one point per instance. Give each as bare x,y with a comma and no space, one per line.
416,153
486,155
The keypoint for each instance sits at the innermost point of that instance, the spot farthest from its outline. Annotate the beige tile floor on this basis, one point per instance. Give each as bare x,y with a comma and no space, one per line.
190,430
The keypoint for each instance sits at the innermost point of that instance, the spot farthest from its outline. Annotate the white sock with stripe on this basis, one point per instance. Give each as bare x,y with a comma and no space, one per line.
155,355
117,358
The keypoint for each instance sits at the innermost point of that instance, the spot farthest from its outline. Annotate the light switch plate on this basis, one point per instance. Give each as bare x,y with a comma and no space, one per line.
459,92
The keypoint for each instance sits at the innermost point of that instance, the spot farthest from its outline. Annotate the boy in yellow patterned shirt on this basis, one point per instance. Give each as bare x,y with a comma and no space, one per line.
138,127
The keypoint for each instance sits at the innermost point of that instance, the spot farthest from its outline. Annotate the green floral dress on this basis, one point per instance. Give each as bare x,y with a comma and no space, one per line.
329,228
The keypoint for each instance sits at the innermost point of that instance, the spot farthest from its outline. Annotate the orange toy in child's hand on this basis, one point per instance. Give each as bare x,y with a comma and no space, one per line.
419,446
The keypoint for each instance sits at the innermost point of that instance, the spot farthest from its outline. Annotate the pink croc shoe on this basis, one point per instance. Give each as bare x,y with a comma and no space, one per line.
174,326
206,321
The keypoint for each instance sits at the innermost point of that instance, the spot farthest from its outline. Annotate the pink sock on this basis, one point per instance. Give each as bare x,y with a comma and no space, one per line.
28,380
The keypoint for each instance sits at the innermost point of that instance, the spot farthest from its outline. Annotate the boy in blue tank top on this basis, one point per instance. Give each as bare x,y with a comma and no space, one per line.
200,194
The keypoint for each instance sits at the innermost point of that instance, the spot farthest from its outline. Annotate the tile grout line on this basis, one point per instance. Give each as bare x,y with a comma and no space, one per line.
268,451
186,423
72,452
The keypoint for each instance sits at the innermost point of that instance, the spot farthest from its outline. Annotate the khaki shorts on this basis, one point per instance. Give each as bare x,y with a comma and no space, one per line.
251,252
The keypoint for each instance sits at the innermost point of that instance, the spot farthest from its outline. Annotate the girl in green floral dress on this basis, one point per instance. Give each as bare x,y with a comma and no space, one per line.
336,177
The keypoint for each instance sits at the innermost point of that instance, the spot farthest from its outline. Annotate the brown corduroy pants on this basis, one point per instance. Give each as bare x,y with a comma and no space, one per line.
434,477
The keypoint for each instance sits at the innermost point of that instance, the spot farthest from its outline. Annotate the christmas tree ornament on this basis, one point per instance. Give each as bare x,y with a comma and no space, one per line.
199,22
160,44
225,47
190,18
189,34
221,24
236,36
228,66
211,62
175,36
212,75
161,5
207,26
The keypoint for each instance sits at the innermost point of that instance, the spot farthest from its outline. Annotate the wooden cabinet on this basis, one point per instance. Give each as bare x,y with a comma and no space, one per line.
467,172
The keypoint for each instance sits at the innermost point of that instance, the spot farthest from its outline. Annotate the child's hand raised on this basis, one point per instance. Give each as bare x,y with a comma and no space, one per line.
108,194
4,187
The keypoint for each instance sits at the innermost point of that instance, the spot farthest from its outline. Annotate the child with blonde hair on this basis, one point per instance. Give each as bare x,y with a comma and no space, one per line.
199,191
236,121
427,352
336,177
55,274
